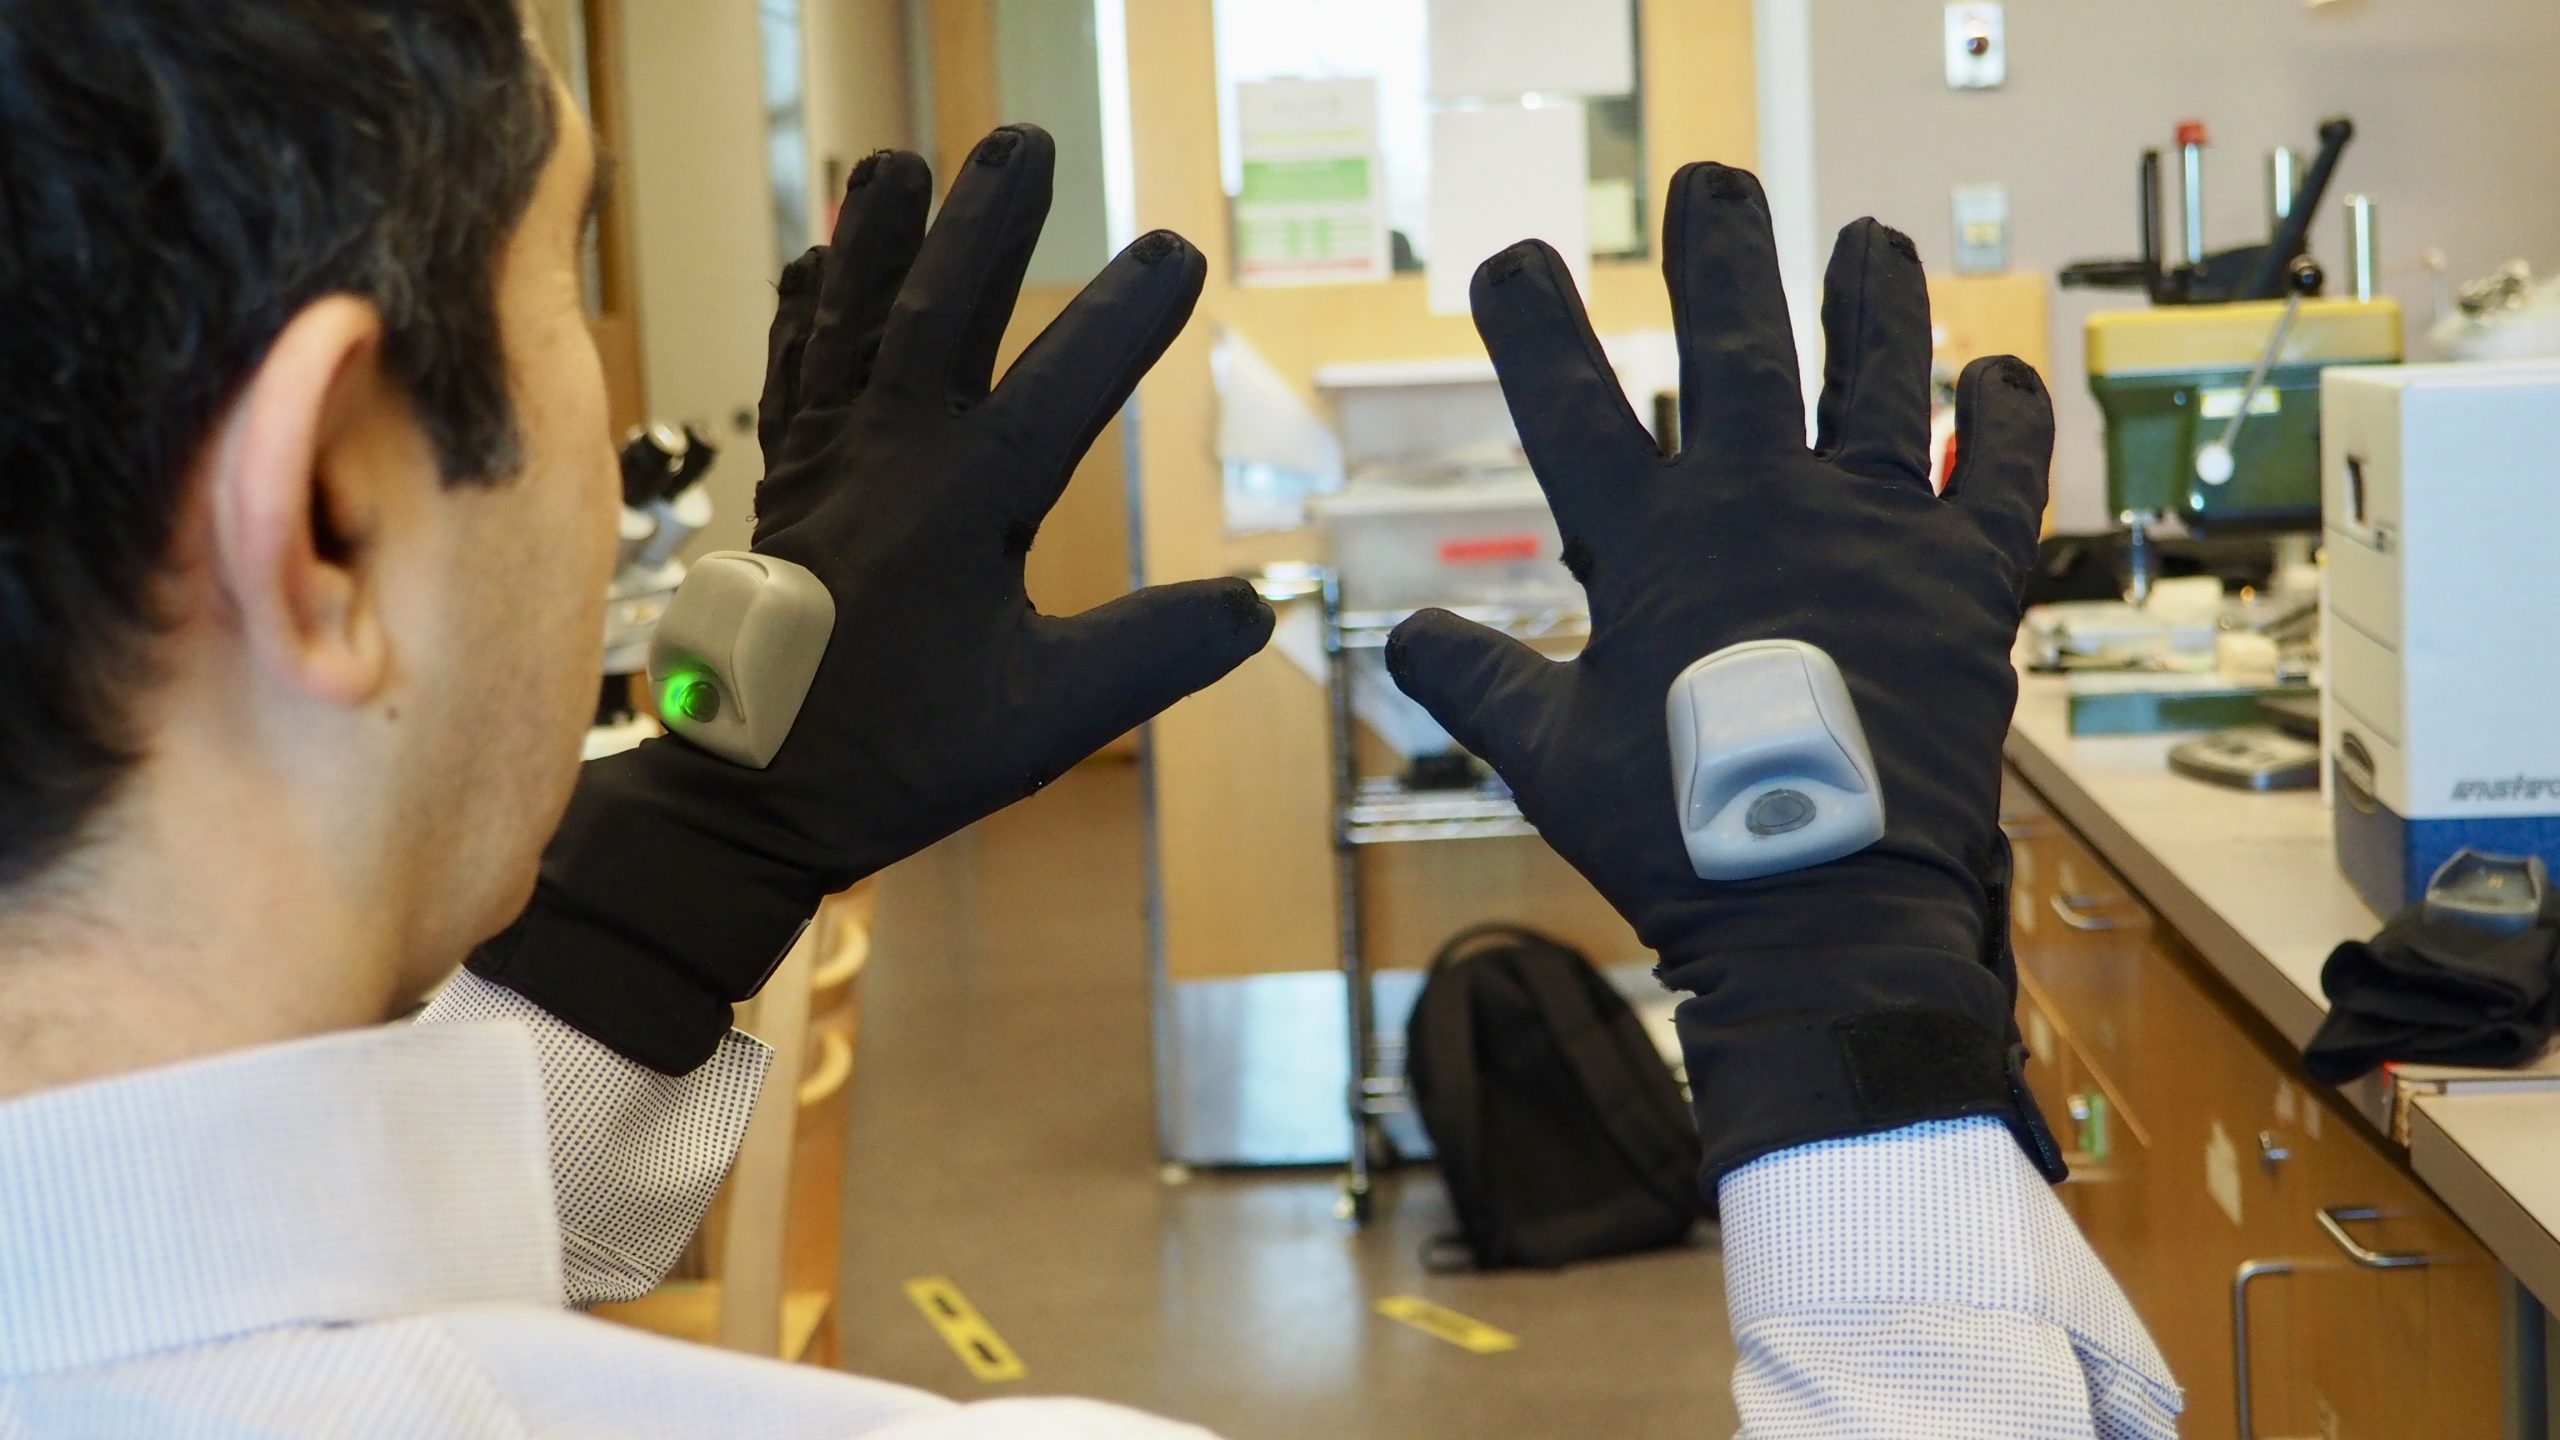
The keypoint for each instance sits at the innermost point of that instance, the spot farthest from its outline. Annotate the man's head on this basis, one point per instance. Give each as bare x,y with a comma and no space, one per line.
305,490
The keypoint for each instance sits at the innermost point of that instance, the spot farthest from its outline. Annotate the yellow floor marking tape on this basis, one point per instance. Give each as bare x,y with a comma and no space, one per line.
964,1329
1464,1331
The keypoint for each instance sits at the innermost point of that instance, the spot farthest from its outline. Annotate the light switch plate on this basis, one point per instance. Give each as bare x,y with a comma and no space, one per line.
1977,47
1981,233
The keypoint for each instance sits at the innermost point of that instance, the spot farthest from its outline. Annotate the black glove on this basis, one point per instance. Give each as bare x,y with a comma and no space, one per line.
912,486
2438,992
1873,991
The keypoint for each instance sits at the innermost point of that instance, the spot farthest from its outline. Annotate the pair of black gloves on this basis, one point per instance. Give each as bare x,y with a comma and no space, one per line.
1860,995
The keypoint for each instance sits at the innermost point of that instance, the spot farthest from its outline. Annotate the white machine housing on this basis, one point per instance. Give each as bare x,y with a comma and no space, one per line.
2440,718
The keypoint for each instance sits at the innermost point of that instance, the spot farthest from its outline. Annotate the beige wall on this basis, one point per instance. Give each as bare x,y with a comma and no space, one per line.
2457,139
702,219
858,92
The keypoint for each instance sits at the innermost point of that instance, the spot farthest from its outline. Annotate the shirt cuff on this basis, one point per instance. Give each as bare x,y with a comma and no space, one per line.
635,1155
1946,1218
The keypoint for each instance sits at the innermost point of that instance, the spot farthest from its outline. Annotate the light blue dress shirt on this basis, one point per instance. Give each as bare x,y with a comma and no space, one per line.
379,1232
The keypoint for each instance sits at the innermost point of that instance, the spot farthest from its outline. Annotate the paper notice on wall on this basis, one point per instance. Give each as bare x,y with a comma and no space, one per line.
1312,208
1531,47
1500,175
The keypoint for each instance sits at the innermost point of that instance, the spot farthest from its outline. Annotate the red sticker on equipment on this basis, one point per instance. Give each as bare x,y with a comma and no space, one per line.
1488,549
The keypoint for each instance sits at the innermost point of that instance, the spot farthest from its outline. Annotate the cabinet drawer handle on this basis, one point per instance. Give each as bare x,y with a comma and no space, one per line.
2072,910
2334,1220
2249,1270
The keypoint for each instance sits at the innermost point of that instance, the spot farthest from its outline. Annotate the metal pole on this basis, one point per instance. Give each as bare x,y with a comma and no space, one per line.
2280,183
1360,1043
2191,162
2361,260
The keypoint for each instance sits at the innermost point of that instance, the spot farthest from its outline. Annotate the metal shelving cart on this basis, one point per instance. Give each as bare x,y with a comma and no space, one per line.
1383,810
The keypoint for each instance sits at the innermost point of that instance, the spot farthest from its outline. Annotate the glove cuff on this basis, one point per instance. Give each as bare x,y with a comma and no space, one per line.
614,992
1897,1037
646,929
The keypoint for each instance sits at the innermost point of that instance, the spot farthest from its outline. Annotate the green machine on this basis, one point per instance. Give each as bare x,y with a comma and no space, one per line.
2212,394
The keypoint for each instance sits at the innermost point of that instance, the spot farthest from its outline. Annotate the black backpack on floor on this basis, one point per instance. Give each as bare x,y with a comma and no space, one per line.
1561,1134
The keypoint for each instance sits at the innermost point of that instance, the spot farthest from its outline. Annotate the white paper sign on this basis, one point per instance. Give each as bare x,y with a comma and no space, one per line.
1500,175
1312,206
1531,47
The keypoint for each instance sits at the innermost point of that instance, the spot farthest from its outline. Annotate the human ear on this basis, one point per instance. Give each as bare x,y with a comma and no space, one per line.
297,482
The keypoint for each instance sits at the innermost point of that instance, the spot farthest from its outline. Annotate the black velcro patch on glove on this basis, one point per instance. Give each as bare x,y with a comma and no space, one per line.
1920,1062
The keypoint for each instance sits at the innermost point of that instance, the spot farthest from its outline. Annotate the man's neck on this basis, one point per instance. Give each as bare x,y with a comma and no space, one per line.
168,940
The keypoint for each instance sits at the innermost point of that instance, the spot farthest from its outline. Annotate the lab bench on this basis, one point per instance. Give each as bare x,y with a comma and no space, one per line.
2372,1260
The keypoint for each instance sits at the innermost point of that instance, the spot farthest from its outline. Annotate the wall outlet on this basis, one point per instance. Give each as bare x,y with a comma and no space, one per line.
1977,47
1981,219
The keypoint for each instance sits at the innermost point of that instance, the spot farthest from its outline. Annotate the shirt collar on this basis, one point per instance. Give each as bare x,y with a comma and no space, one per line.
352,1177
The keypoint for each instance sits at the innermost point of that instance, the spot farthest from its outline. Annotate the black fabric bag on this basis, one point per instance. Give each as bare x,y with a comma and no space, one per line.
1560,1132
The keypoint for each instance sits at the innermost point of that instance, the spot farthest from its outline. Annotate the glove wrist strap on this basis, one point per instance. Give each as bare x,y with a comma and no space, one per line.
1910,1037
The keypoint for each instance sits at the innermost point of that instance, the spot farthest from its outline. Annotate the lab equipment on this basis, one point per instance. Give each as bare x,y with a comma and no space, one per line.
2506,315
1769,767
2210,395
2441,491
2249,757
735,653
663,506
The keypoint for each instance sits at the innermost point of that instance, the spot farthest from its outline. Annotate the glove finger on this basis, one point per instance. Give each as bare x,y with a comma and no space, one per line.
1874,415
878,230
943,332
2004,446
1080,370
1101,674
1564,398
1486,689
795,310
1739,390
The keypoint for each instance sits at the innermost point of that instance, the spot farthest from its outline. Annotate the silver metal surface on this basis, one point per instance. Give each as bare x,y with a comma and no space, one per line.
2334,1220
2191,162
2272,1152
2240,1279
2258,373
1265,1075
2281,177
2072,910
2361,259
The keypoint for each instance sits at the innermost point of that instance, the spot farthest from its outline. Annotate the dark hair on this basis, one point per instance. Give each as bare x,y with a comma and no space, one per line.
177,179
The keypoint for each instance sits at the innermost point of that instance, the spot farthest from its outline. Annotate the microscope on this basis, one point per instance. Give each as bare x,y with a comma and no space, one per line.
663,506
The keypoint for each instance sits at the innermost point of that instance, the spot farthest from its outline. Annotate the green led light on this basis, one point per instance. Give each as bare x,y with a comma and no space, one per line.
690,695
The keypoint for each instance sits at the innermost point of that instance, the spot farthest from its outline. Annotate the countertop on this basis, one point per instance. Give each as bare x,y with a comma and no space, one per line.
2250,882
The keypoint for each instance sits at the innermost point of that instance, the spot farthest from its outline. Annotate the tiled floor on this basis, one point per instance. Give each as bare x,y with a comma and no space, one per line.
1003,1138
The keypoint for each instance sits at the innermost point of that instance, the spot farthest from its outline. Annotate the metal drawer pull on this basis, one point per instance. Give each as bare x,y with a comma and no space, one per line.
2334,1220
2072,910
2249,1270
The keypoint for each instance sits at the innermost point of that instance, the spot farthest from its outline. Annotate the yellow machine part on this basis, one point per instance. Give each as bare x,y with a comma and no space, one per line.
2224,337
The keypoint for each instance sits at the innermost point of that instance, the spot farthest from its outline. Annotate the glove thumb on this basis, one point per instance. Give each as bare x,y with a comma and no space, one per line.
1484,687
1113,668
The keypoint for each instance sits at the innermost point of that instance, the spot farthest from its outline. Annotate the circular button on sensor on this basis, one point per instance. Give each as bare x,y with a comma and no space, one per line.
1778,812
696,699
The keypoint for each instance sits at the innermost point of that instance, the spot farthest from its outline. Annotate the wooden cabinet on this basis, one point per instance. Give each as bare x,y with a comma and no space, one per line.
2200,1147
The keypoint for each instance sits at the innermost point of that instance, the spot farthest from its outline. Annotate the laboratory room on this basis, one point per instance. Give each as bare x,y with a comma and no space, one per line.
1419,719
